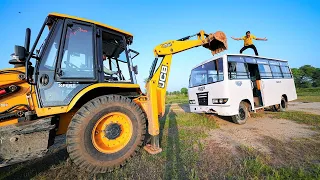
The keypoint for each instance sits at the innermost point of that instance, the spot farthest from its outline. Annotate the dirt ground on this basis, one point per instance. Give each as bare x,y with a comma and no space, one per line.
278,139
231,135
313,107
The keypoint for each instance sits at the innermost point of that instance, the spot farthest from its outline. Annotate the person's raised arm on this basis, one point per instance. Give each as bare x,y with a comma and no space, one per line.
262,39
236,38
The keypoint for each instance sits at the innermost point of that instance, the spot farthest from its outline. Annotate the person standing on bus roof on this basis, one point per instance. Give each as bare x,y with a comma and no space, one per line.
248,42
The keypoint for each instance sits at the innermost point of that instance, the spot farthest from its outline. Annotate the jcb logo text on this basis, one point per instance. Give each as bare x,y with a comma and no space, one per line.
163,76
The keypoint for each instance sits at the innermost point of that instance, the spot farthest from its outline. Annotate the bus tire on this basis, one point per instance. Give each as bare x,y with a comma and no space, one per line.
283,105
243,114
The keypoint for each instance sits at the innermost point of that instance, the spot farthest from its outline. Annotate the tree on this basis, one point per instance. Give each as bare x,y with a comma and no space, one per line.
184,91
316,78
306,76
297,74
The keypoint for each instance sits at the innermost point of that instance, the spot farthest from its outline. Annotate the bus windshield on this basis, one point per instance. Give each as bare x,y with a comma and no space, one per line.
207,73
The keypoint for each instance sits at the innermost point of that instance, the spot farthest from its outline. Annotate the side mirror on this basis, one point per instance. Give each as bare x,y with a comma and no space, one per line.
135,69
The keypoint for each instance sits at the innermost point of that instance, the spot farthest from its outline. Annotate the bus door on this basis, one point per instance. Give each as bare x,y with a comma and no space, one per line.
239,79
255,78
269,87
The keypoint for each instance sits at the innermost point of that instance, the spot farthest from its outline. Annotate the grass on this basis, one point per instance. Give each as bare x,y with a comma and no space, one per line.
299,116
255,166
181,141
308,94
180,99
187,154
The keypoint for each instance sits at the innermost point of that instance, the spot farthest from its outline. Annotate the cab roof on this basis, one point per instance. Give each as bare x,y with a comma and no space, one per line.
90,21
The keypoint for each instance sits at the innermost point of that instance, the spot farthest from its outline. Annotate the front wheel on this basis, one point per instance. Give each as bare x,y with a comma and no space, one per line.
105,133
243,114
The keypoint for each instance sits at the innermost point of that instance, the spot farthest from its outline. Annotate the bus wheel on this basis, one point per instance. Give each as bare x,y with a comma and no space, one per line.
243,114
283,105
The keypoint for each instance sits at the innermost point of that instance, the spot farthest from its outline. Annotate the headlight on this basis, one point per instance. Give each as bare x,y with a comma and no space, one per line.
219,101
192,101
215,101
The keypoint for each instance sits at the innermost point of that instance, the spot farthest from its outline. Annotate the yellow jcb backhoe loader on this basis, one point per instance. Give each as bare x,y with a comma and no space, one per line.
81,82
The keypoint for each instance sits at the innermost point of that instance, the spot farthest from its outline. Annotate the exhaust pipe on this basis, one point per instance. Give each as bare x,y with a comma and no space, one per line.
27,39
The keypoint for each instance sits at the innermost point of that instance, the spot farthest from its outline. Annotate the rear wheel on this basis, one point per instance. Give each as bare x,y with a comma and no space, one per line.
282,106
243,114
105,133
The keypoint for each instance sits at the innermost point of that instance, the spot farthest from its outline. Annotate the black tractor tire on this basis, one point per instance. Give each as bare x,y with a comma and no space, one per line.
243,114
79,139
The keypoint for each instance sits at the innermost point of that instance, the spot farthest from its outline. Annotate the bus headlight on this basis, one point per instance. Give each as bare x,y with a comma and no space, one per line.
192,101
219,101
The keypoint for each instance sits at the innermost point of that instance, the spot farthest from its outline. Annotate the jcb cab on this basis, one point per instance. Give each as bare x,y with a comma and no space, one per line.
82,84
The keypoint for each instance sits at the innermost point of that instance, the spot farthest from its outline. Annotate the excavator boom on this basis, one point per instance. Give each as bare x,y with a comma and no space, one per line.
154,102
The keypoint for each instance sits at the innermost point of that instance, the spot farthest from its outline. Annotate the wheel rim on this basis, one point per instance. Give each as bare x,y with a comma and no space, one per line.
112,132
242,114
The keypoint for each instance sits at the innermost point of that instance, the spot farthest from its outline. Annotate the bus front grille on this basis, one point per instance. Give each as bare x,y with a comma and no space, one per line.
203,99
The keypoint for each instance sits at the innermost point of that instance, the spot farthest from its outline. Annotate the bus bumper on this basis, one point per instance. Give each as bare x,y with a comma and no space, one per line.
221,110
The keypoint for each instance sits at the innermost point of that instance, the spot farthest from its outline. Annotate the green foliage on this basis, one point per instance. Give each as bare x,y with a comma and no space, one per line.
177,98
184,91
306,76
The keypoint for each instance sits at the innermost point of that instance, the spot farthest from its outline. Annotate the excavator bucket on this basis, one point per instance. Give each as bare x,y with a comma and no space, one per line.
216,42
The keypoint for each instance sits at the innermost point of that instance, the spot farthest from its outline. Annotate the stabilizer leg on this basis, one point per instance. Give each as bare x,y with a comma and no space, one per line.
154,147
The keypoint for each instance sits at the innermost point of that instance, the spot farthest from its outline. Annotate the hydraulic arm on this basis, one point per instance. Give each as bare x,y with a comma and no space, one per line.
154,103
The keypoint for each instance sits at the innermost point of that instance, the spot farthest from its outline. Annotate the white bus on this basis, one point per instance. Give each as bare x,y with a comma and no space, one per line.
236,84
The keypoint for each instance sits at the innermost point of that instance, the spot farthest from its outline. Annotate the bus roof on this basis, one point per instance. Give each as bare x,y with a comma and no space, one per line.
244,55
90,21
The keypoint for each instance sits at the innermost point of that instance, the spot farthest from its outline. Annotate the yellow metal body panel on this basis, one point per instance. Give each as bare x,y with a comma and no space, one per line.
9,122
90,21
11,77
155,104
156,87
65,119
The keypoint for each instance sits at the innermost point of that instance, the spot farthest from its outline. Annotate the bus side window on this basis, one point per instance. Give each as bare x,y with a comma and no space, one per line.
238,70
265,71
285,71
276,71
232,70
220,69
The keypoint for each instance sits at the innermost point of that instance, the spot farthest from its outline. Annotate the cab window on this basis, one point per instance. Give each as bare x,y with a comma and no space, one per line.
77,58
115,62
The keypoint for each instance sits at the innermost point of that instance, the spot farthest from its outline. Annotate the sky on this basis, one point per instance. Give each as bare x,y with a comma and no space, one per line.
292,28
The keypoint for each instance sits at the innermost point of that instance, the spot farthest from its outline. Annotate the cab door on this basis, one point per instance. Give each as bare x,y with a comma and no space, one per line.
77,59
68,58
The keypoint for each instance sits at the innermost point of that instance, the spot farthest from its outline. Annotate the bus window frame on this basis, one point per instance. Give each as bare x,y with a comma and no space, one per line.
264,61
218,74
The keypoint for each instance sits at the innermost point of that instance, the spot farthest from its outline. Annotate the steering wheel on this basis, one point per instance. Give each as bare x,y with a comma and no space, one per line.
72,65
